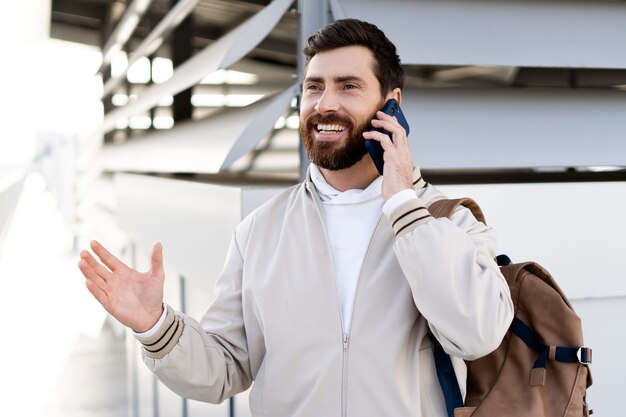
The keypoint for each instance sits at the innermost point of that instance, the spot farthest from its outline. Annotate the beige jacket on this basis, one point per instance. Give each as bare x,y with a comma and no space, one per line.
276,319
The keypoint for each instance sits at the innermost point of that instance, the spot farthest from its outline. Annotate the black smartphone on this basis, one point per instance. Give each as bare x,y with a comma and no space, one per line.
374,148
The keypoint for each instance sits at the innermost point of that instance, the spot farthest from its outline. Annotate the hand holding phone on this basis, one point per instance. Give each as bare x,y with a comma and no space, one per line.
374,147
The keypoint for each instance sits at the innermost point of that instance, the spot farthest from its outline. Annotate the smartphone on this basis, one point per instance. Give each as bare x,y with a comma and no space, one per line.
374,148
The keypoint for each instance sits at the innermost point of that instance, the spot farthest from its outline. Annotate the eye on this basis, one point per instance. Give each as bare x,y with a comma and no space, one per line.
312,87
350,86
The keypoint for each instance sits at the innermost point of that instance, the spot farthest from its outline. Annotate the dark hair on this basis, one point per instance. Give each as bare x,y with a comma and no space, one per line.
349,32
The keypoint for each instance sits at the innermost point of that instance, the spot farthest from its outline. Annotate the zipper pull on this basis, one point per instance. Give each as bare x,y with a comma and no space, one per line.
345,342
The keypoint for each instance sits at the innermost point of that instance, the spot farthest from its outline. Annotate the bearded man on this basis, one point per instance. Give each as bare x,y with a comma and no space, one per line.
329,289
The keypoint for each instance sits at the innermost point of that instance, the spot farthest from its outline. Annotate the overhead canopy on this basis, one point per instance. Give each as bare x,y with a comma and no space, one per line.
516,128
535,33
206,146
219,55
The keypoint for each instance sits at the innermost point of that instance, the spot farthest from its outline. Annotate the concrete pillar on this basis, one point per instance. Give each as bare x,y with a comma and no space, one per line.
182,50
314,14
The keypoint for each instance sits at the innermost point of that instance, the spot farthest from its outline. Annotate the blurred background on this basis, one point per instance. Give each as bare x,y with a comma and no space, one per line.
136,121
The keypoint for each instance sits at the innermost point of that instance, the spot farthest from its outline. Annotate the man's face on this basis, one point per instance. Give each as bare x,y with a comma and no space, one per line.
340,97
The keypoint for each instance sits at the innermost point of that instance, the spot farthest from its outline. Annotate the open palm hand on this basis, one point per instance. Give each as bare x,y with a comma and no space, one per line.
132,297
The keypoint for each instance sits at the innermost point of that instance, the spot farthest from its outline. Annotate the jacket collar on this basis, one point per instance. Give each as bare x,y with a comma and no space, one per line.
418,181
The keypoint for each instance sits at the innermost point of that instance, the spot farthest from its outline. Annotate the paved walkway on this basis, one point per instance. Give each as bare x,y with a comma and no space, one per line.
93,379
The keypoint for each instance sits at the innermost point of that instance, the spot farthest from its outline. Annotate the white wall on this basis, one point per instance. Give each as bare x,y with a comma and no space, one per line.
603,330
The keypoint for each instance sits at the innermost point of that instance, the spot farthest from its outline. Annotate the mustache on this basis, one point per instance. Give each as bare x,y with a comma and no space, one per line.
330,119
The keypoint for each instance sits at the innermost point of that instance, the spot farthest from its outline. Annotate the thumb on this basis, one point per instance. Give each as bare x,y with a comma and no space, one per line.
157,258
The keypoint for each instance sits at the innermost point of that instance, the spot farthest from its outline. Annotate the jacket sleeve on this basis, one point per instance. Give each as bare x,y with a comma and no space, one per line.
456,284
208,360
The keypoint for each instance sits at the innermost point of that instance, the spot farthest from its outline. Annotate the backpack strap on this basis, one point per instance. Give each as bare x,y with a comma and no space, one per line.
447,377
446,207
580,355
443,364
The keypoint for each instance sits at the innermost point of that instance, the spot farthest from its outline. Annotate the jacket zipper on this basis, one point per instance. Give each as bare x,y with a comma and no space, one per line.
345,332
344,377
345,338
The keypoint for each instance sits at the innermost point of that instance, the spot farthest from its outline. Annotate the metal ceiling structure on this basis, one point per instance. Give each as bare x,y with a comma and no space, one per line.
91,21
491,52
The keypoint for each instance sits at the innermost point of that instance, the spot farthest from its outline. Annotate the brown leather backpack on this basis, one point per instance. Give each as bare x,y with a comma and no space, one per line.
541,367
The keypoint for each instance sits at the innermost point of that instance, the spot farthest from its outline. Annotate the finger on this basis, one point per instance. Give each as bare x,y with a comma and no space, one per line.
157,258
384,117
381,115
392,120
97,292
391,125
106,257
91,275
384,139
97,266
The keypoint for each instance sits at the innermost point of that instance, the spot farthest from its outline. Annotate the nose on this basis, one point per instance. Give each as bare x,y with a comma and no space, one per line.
327,102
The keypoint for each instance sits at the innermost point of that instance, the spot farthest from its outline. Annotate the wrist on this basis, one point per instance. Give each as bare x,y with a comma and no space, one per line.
398,199
391,188
151,320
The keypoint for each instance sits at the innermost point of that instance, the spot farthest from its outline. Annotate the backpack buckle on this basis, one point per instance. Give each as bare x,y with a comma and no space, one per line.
584,355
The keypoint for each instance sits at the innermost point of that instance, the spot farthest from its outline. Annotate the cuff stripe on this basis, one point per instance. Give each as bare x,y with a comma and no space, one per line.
412,222
177,321
166,338
164,334
406,214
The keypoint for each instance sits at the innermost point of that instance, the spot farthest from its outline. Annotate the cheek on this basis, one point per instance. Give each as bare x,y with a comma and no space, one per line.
308,101
306,108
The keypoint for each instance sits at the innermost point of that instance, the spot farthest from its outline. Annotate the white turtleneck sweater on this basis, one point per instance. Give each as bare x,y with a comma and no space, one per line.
351,217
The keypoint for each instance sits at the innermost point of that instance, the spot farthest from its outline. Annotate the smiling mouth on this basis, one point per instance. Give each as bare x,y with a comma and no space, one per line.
330,128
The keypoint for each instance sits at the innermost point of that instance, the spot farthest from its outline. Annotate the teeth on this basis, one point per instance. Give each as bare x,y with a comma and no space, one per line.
329,128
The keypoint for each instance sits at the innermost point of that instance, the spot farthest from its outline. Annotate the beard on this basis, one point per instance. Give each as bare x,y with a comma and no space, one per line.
332,155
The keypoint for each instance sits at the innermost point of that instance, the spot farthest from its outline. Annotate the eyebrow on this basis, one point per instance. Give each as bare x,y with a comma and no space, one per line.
341,79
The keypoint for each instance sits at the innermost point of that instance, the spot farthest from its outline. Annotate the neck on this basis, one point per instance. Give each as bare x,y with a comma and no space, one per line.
359,176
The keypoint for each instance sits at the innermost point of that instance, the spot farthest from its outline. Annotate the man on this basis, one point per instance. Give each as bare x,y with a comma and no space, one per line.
324,301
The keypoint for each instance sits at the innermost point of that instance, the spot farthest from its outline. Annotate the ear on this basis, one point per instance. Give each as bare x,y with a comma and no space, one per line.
397,94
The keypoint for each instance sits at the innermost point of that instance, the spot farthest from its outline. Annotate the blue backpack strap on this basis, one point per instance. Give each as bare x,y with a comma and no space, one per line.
447,377
532,339
560,353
